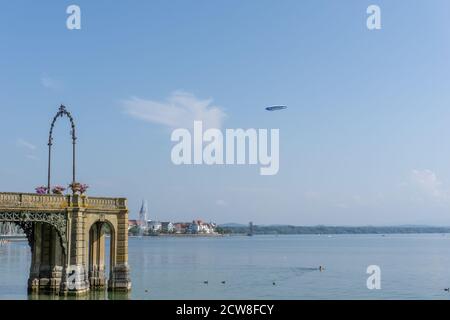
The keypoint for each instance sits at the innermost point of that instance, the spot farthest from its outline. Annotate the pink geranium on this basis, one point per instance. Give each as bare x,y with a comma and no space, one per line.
83,188
41,190
58,189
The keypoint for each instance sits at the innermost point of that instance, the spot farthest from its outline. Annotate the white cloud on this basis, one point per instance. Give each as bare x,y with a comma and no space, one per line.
50,83
428,182
342,205
180,110
221,203
26,144
311,195
32,157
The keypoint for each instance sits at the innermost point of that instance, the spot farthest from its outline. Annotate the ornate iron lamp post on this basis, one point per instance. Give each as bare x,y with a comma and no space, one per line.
61,113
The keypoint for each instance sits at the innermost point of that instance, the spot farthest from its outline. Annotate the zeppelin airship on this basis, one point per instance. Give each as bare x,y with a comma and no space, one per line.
276,108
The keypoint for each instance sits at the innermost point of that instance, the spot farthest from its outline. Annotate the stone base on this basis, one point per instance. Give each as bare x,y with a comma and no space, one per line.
120,279
75,281
33,285
97,279
47,282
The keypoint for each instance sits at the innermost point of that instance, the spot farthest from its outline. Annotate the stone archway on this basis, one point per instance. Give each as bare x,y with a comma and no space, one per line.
97,253
47,259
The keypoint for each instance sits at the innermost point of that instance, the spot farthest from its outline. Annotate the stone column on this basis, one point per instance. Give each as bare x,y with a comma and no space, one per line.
97,257
46,261
44,270
75,275
56,263
101,256
93,238
120,271
33,280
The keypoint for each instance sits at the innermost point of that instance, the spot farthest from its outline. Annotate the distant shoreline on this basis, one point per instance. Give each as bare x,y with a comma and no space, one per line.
241,230
180,235
330,230
13,238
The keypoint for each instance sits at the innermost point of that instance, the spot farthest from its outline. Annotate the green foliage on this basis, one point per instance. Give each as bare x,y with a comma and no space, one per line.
221,230
134,231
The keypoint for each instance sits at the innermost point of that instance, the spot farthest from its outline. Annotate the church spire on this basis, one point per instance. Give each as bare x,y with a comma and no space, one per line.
143,212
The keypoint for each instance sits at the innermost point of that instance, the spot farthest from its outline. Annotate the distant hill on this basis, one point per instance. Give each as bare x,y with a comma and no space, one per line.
234,228
233,225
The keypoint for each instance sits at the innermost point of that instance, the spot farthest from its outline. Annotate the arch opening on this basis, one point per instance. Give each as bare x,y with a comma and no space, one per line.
48,252
101,254
47,258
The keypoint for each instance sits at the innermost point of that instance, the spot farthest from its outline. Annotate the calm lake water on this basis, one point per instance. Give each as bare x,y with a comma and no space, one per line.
412,267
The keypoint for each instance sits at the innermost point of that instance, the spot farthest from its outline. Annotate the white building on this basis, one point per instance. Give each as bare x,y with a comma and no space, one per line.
154,226
193,228
198,226
167,227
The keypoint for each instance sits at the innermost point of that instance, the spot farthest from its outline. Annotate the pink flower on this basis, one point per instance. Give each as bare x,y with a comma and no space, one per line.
58,189
83,188
41,190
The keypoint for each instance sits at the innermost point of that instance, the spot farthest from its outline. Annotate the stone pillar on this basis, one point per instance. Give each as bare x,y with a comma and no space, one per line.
97,257
101,256
46,260
120,271
56,261
75,275
33,280
93,256
44,270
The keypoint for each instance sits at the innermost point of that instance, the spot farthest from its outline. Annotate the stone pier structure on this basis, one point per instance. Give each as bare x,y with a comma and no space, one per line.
67,236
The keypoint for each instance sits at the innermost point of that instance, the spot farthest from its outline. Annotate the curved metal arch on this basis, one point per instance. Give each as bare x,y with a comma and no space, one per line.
26,221
28,229
61,113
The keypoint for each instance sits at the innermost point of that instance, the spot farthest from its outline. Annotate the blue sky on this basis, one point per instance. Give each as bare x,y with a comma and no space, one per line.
362,142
